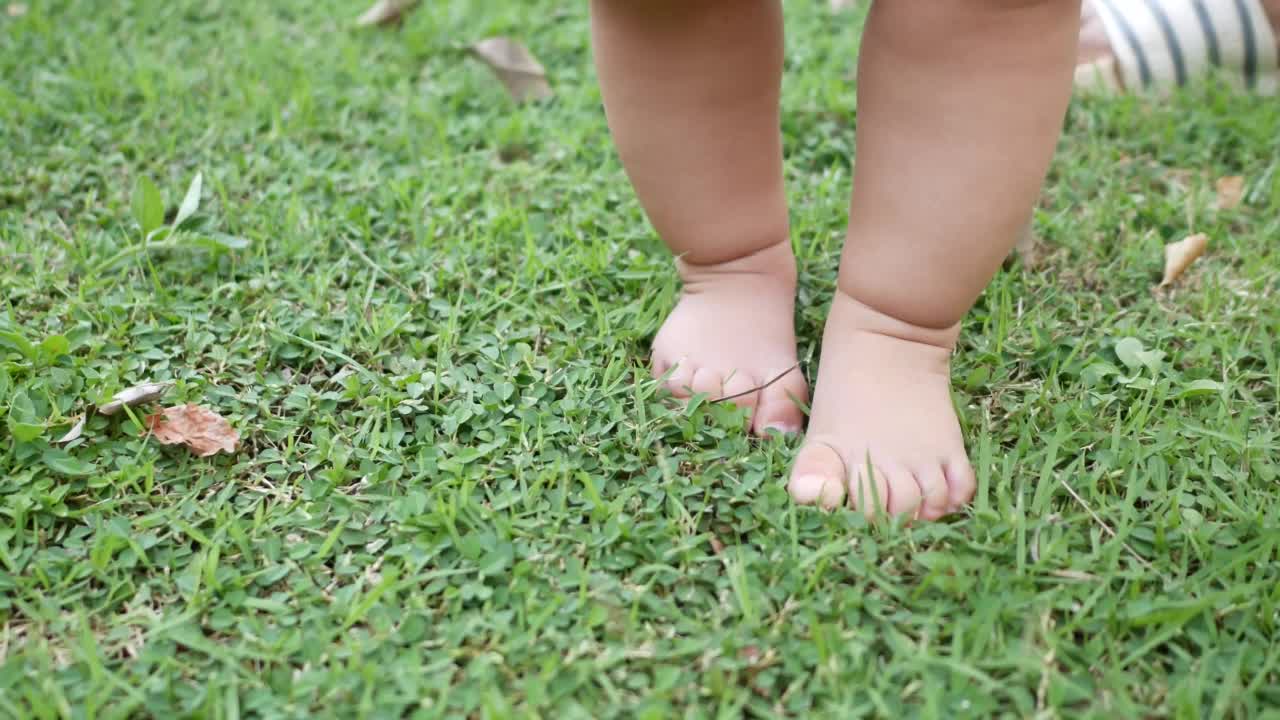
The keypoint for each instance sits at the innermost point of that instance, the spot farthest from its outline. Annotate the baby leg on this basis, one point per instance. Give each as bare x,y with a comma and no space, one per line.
691,90
960,104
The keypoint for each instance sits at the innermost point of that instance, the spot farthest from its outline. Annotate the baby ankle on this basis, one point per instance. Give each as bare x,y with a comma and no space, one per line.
885,320
776,260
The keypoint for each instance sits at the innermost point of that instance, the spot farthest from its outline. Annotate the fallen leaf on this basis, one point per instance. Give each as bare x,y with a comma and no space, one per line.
204,431
517,68
1180,178
1179,256
717,547
340,377
1230,191
74,433
16,9
385,12
1074,575
1028,248
134,396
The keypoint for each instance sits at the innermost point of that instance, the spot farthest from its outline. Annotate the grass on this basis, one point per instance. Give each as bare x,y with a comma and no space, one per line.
459,494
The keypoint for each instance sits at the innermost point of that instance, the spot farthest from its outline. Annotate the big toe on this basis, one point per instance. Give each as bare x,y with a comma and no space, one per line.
818,477
781,404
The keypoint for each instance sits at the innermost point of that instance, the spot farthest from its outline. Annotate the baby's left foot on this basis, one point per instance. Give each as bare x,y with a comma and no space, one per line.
882,409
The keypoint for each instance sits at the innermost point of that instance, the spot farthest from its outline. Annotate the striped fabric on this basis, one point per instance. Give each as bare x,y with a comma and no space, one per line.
1159,44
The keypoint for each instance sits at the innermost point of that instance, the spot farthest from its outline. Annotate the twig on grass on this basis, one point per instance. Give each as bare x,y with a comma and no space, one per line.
369,374
1101,523
379,269
744,393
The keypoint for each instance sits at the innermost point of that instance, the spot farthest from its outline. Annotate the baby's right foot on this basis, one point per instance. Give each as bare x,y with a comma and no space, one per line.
732,332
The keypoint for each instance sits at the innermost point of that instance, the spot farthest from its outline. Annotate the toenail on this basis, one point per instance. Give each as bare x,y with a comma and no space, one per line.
808,488
826,492
832,495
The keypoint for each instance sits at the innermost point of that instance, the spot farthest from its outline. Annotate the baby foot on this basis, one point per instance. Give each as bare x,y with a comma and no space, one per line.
732,332
883,403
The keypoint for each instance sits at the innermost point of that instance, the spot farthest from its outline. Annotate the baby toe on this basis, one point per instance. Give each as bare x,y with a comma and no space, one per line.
869,490
935,493
740,389
905,495
818,477
709,382
781,405
961,482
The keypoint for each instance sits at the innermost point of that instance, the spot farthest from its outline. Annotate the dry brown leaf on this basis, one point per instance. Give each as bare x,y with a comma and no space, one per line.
16,9
1179,256
204,431
134,396
517,68
1230,191
385,12
1028,248
717,546
1182,177
74,433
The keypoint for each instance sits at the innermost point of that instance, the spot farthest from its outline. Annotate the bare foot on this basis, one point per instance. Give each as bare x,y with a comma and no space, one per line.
733,331
883,400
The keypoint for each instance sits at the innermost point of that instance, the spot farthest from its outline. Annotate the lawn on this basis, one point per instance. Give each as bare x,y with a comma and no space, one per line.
458,493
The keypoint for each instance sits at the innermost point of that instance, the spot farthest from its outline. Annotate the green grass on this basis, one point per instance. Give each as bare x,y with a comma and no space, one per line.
459,494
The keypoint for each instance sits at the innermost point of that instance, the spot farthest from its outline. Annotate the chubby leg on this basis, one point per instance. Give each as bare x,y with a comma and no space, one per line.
691,90
960,104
